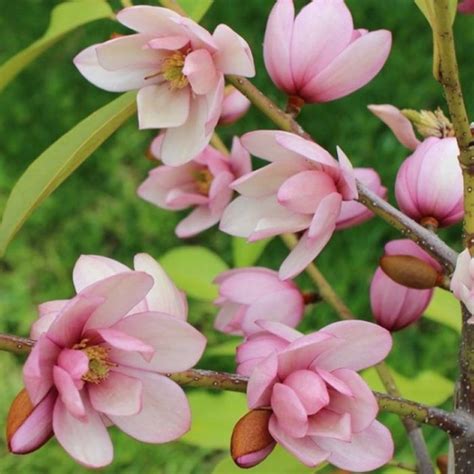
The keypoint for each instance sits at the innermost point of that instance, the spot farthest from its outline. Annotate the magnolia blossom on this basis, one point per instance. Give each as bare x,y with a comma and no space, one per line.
395,306
353,213
302,189
319,56
178,69
462,281
467,6
101,359
203,183
248,294
322,410
234,106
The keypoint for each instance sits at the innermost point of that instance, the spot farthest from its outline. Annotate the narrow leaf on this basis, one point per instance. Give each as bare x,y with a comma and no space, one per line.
196,9
65,17
246,254
60,160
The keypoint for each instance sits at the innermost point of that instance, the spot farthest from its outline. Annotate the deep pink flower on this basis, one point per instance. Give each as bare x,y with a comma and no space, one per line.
203,183
301,190
395,306
467,6
101,360
234,107
462,281
353,213
319,56
178,68
322,409
429,183
248,294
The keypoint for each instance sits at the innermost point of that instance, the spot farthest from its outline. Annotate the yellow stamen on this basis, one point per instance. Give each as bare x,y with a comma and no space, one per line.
203,180
99,365
172,70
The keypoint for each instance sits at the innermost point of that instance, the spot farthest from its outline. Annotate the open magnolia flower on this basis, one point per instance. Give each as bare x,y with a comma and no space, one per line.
301,190
100,359
203,183
319,56
321,409
178,68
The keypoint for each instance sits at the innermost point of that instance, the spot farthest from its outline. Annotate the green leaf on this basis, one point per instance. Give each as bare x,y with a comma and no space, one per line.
193,269
214,418
445,309
196,9
427,387
246,254
59,161
65,17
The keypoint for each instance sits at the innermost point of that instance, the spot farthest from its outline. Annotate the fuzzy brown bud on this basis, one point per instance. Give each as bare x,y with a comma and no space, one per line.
410,271
20,410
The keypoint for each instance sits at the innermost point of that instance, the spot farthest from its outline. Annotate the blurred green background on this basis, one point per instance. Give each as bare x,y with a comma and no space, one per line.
97,212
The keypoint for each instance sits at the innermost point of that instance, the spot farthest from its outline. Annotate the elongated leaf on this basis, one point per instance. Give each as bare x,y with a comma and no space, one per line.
64,18
61,159
445,309
193,269
196,9
246,254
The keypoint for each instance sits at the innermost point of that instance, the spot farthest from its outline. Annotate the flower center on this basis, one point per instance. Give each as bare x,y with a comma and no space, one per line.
99,364
203,179
172,70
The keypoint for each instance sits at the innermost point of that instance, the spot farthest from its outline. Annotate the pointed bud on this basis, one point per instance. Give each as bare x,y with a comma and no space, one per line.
410,271
251,441
430,124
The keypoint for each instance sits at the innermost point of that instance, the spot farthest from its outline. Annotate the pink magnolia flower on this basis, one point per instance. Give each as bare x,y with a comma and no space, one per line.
248,294
462,281
234,107
467,6
322,409
319,56
203,183
429,183
353,213
395,306
102,360
300,190
178,69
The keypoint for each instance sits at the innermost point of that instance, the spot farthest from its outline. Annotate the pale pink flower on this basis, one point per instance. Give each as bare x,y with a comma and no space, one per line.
300,190
322,409
234,107
319,56
203,183
248,294
102,361
462,281
429,183
178,68
395,306
467,6
353,213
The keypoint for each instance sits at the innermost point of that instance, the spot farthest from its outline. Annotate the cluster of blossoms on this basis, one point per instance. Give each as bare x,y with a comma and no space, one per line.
103,357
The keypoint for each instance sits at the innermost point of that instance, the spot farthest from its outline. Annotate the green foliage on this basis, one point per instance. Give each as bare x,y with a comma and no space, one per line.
196,9
65,18
444,308
193,269
59,161
246,254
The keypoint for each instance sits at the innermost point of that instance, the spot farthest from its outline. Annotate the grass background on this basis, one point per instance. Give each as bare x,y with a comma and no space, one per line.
96,210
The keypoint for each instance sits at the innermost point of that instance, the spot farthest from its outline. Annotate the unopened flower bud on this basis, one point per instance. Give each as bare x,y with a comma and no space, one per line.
234,106
251,441
410,271
430,124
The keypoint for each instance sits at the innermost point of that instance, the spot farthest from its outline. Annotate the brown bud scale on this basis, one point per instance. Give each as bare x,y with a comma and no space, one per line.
409,271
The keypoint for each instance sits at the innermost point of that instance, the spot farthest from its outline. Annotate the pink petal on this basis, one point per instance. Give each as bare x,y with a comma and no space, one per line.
165,415
54,306
280,330
154,21
68,392
229,318
252,459
358,64
160,106
233,55
178,346
362,406
170,43
124,342
367,450
163,297
42,324
262,379
220,192
305,449
74,362
347,182
310,388
199,220
289,411
329,424
86,440
200,71
240,161
259,346
398,123
117,395
234,107
333,381
214,101
36,429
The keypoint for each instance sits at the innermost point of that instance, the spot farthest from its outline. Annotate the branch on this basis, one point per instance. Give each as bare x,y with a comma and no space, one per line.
411,229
